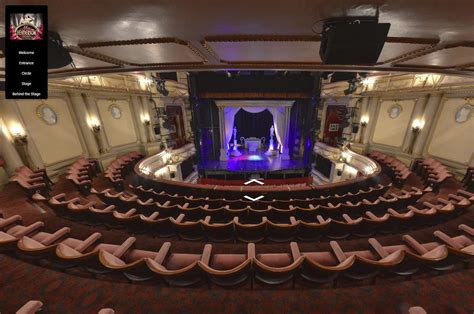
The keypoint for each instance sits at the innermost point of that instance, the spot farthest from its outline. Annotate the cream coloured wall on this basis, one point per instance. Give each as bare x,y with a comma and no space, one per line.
55,143
392,131
117,131
451,140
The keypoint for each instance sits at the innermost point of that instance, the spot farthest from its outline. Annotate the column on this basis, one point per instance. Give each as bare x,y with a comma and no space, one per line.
417,113
146,109
285,152
8,151
223,150
94,112
371,110
429,114
11,114
323,122
362,112
138,114
81,112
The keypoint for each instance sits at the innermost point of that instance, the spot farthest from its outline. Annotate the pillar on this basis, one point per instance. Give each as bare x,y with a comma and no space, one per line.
429,113
10,112
285,151
223,150
8,151
362,112
417,114
82,114
138,113
323,122
371,110
94,111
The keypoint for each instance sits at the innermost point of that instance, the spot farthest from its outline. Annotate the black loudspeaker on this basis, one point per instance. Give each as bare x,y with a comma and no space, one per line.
352,40
355,128
58,55
173,76
2,86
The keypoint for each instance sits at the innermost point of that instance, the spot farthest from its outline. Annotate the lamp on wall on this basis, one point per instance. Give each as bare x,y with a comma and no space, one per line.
364,120
416,127
95,126
20,139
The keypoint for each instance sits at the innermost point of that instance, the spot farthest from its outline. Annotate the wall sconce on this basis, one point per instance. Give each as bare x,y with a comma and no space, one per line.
146,122
20,139
364,120
95,126
416,127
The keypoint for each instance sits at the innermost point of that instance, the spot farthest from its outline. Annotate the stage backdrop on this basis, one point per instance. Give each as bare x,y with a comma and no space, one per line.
253,124
277,113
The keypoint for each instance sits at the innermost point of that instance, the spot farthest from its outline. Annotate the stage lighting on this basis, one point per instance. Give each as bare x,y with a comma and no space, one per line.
352,87
160,85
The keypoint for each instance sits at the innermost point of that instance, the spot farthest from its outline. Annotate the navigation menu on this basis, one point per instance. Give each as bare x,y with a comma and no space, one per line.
26,52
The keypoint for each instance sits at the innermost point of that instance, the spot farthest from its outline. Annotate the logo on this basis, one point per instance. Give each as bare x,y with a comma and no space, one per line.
26,26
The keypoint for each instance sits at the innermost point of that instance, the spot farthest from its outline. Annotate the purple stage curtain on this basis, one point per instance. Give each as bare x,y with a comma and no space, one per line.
229,116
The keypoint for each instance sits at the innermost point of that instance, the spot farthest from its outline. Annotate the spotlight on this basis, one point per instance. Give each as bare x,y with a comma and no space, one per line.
352,87
160,85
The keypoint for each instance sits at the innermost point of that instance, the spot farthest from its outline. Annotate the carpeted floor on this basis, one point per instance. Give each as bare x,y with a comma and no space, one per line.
61,292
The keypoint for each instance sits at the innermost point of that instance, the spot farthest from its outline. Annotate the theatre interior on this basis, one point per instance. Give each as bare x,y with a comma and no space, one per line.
245,157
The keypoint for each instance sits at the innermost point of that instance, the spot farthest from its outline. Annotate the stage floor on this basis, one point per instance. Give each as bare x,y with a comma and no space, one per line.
254,162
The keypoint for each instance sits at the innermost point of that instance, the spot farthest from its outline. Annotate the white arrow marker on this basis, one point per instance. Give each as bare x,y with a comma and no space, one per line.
254,180
254,199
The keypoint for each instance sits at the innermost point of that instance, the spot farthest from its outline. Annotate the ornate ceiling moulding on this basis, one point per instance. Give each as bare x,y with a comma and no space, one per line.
434,49
148,41
429,43
210,40
96,56
73,72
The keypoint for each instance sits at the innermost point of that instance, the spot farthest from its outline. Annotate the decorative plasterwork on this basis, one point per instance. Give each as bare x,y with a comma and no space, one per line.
465,51
407,47
100,49
254,103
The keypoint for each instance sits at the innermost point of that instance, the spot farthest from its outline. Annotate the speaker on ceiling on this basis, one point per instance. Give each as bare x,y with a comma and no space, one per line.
352,40
58,55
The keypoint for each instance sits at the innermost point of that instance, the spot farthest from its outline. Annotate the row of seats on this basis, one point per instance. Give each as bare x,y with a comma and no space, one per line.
124,201
121,167
32,181
230,225
34,306
396,169
81,172
371,194
432,171
185,269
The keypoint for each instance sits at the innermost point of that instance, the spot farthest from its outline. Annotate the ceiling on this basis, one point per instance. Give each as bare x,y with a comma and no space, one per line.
120,36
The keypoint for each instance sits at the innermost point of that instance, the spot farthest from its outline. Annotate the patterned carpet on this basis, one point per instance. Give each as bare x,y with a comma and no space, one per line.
60,292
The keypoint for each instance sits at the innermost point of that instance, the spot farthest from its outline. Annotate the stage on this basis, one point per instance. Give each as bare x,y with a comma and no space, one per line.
250,163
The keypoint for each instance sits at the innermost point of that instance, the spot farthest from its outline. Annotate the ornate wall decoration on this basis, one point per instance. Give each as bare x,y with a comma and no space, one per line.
394,111
115,111
47,114
463,113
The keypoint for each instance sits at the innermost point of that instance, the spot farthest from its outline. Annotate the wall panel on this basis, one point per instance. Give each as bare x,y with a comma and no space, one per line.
55,143
391,131
451,140
119,131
